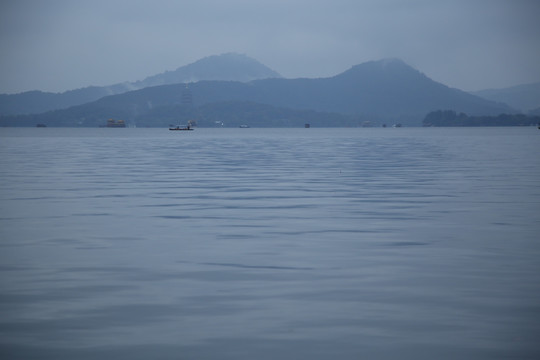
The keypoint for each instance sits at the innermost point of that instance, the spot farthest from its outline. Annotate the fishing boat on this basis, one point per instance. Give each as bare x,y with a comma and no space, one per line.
178,127
111,123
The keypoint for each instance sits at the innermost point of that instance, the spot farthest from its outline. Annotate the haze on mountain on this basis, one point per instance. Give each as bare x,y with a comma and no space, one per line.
378,91
523,97
59,45
229,66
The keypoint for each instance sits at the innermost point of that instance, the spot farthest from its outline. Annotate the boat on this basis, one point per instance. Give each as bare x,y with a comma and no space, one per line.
111,123
181,128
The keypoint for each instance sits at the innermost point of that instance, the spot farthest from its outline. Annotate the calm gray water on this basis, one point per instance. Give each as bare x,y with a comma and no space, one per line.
411,243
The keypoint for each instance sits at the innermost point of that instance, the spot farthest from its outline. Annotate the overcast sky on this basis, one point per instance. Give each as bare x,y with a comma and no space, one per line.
58,45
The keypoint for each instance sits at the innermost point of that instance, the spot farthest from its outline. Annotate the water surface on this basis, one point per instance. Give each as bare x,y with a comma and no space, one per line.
411,243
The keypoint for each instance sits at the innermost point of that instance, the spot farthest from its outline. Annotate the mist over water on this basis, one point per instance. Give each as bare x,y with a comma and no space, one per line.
411,243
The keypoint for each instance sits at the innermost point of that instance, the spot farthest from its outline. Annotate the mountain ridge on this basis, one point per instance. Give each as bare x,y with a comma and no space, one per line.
525,97
383,91
228,66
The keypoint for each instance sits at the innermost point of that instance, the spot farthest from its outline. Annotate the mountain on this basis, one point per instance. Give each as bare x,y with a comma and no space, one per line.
227,67
523,97
230,66
380,91
386,90
535,112
33,102
220,114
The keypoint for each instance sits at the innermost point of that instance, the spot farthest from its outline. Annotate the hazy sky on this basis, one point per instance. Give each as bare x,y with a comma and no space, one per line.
58,45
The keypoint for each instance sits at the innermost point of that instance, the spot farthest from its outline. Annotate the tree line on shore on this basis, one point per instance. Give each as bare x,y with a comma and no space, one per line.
452,118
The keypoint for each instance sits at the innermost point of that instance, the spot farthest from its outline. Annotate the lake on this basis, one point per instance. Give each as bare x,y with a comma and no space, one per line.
361,243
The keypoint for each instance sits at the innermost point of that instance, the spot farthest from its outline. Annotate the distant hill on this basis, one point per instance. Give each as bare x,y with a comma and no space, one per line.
220,114
378,91
523,97
33,102
386,91
535,112
230,66
227,67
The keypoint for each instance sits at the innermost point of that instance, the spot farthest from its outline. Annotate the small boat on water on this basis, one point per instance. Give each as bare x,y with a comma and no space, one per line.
185,128
111,123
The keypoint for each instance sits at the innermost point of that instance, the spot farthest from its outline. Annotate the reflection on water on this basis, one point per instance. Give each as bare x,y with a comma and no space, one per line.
269,243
